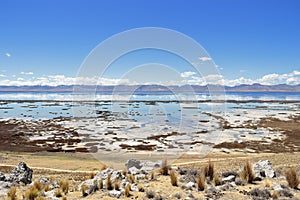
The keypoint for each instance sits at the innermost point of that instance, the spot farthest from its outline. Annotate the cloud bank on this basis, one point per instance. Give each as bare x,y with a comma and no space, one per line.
187,77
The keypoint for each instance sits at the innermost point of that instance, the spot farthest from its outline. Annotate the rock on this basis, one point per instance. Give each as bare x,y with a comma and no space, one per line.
133,170
115,193
133,163
2,176
211,190
140,177
91,185
277,187
134,187
21,174
4,186
227,187
261,193
143,167
263,169
188,186
229,178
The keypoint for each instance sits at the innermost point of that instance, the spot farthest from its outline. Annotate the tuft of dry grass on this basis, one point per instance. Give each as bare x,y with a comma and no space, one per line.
217,180
174,178
103,167
47,188
248,174
210,170
152,176
109,185
117,185
84,190
100,184
124,172
12,193
31,194
201,181
58,193
64,185
127,190
40,198
275,195
131,178
291,178
64,198
38,185
141,188
92,175
164,168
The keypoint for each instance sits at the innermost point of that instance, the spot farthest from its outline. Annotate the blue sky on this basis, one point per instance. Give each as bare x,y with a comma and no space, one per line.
250,38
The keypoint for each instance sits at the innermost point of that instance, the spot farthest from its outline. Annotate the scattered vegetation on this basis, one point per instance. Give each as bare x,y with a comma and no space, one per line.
58,193
275,195
38,185
109,185
92,175
247,173
131,178
127,190
47,188
174,179
201,181
64,185
12,193
217,180
210,170
141,188
117,185
84,190
32,193
100,184
164,168
152,176
291,178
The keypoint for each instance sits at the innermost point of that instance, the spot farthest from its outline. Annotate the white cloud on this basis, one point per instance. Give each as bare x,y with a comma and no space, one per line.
8,55
27,73
187,74
187,77
204,58
55,80
2,75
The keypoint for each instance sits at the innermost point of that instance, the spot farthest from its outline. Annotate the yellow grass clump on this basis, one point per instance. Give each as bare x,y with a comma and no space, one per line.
12,193
164,168
92,175
248,174
173,177
58,193
38,185
100,184
292,179
64,185
109,185
131,178
117,185
32,193
201,181
210,170
84,190
217,180
127,190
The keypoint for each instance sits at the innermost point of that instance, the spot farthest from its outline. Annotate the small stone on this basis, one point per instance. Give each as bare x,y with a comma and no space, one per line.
229,178
115,193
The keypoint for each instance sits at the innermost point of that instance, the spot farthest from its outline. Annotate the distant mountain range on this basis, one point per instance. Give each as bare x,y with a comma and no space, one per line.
153,88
